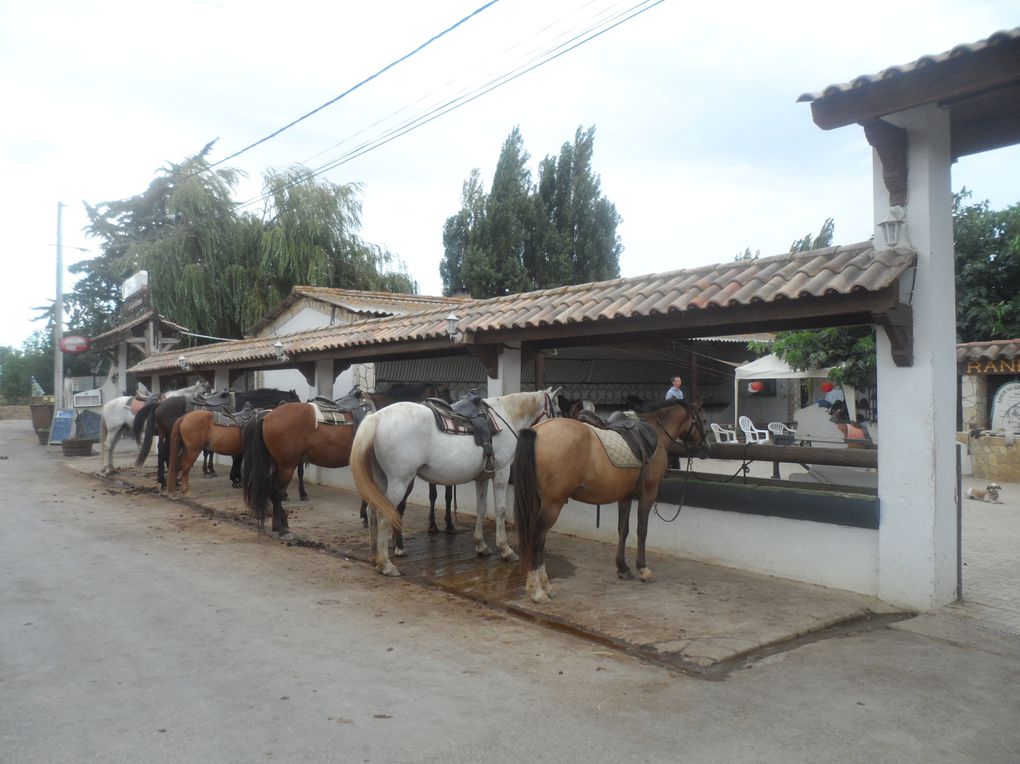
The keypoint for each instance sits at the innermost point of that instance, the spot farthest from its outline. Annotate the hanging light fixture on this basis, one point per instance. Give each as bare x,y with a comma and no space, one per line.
183,362
451,328
281,354
893,227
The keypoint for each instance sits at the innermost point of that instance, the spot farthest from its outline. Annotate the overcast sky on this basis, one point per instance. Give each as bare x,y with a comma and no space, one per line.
700,142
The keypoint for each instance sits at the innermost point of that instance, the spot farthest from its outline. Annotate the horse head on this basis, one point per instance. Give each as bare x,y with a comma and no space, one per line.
681,421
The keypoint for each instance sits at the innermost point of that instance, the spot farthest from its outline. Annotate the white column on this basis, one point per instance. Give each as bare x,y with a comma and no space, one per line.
122,366
509,367
221,380
917,404
324,378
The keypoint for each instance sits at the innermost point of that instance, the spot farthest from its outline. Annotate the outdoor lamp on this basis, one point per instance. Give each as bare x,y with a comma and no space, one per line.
892,227
451,328
278,348
182,362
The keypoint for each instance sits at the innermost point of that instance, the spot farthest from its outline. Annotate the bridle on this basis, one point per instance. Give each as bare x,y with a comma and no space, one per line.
692,420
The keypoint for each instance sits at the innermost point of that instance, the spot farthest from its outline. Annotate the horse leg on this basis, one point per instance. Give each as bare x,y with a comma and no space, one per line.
280,526
112,438
162,457
450,527
363,514
208,464
398,533
235,471
302,493
499,483
644,509
433,495
380,535
537,583
187,462
481,507
622,530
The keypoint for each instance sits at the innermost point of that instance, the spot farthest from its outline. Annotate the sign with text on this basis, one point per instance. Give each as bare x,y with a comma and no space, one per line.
74,343
1006,408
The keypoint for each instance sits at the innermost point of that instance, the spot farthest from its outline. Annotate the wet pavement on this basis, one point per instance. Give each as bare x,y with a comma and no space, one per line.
694,617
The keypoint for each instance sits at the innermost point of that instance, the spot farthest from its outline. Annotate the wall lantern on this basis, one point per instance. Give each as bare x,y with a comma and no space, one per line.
893,226
183,362
451,328
281,354
827,386
757,386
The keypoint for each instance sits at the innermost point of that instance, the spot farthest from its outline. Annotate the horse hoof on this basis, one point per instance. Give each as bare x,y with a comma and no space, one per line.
626,575
399,552
539,597
433,529
209,475
510,556
389,569
646,575
285,536
305,497
235,485
451,529
483,551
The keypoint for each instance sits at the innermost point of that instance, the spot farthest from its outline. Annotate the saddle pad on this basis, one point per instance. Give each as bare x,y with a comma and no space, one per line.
617,450
457,425
331,416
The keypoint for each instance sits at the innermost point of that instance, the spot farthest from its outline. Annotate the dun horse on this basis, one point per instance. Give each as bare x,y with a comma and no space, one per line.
565,459
402,441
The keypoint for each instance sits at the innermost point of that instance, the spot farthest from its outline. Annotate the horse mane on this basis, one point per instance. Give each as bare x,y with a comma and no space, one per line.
648,408
409,391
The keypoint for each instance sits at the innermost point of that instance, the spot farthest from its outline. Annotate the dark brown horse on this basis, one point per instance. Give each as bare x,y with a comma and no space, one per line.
562,459
277,444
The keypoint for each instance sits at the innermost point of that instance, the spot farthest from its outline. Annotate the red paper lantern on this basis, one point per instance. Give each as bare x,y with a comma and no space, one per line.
757,386
827,386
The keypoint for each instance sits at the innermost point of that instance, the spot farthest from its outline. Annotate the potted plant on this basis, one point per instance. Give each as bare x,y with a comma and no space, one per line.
44,435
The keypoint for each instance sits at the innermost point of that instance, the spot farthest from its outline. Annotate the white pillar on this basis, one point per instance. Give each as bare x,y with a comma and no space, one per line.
917,404
509,368
324,378
122,366
221,379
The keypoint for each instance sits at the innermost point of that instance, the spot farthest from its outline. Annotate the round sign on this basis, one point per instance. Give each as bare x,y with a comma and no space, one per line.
827,386
74,343
757,386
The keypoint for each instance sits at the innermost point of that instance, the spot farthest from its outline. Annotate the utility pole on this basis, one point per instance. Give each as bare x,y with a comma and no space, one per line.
58,318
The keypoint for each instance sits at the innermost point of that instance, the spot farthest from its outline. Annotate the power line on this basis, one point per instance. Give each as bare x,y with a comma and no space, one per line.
358,85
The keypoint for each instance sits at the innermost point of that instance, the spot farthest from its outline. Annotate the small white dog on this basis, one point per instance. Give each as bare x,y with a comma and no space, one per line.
989,493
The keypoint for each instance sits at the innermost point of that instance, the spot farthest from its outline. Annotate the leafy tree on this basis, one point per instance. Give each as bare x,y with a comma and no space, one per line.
523,236
987,270
217,270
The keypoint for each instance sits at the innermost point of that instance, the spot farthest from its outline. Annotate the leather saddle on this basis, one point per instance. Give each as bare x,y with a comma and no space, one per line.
471,415
640,437
225,418
225,401
351,409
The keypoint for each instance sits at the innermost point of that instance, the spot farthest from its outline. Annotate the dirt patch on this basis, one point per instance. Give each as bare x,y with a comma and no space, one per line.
15,412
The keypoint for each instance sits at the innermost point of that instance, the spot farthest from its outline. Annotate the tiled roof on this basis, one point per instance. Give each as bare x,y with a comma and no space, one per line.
771,281
992,350
358,301
892,72
113,335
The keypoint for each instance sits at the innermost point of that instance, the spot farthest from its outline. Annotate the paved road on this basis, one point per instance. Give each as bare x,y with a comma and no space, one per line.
132,629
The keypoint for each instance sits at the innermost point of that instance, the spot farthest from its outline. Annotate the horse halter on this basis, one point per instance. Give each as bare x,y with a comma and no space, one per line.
692,420
548,409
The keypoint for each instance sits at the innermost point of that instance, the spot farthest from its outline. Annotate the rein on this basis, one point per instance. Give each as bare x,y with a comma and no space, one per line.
548,412
692,419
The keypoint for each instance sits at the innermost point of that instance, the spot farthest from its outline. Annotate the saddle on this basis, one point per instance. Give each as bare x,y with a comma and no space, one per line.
639,436
139,402
225,401
349,410
224,418
469,415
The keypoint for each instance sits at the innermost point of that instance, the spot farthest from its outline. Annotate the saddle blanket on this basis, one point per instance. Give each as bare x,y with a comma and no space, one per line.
461,425
619,453
331,416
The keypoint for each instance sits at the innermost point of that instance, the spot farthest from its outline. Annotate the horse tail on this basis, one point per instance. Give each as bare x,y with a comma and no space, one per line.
527,502
176,450
258,471
363,464
145,420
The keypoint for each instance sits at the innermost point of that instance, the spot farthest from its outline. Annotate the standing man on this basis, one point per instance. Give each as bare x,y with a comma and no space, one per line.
675,391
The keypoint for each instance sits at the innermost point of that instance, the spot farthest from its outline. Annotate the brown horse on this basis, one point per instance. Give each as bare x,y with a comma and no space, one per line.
192,434
564,459
288,437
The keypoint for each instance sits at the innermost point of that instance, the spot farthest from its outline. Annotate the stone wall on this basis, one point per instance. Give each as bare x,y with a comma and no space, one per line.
995,459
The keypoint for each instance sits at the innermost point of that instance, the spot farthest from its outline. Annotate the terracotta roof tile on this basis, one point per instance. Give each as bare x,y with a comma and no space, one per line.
834,270
991,350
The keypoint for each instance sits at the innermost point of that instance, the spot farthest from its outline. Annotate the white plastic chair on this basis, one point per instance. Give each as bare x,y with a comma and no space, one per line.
724,434
778,428
752,433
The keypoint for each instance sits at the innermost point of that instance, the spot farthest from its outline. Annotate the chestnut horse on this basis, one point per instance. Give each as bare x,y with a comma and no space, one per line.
402,441
288,437
195,432
564,459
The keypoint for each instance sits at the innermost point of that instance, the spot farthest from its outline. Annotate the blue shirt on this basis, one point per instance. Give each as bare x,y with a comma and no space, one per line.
674,392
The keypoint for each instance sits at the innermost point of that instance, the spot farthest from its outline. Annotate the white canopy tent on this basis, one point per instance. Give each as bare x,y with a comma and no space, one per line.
773,367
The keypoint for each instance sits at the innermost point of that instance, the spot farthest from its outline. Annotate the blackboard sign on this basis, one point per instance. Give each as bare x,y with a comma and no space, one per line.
88,424
60,430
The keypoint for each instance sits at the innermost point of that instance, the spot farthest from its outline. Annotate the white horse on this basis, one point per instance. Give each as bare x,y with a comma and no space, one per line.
119,418
401,441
